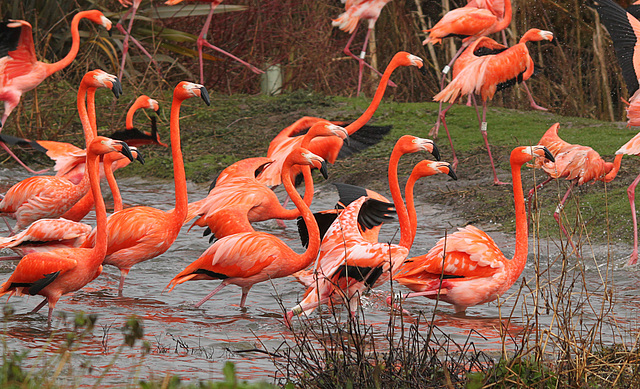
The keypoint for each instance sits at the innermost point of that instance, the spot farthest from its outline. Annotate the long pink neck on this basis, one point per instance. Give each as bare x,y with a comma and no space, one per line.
288,214
411,209
406,240
84,116
129,121
180,179
100,247
615,168
312,227
504,23
382,87
75,46
107,165
522,232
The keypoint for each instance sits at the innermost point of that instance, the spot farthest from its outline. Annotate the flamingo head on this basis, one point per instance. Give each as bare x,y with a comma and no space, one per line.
102,145
185,90
536,35
302,156
411,144
147,102
101,79
97,17
407,59
325,128
429,168
523,154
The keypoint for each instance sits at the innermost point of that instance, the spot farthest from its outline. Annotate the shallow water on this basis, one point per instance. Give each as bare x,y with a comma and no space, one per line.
195,343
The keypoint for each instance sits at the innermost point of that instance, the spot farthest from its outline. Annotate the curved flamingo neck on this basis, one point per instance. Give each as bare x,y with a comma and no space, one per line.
504,23
406,240
129,121
373,106
75,46
288,214
312,227
615,169
100,247
179,177
84,116
522,233
91,110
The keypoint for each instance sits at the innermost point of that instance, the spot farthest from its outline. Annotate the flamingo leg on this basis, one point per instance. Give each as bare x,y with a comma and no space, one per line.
123,275
139,46
10,258
216,290
434,131
454,165
202,41
534,189
483,131
631,193
39,306
556,215
532,102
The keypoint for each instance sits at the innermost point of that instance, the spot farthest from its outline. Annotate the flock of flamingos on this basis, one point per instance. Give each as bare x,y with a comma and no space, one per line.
58,254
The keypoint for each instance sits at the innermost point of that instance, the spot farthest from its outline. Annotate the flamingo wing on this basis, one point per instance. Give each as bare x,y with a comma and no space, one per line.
632,147
22,59
65,155
47,230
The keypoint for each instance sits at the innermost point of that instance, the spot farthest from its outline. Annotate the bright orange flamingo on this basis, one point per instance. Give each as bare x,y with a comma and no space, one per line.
467,268
244,200
487,74
247,258
55,273
202,39
329,147
576,163
348,21
134,136
348,263
139,233
20,70
632,147
50,196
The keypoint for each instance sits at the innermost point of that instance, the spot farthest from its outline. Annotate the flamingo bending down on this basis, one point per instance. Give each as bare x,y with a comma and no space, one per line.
55,273
202,39
139,233
244,200
486,74
247,258
21,71
329,147
50,196
576,163
348,21
467,268
348,263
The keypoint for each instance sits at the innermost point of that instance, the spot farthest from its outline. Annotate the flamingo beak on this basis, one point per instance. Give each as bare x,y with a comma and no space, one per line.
452,174
435,152
117,88
324,170
205,95
139,157
548,155
423,70
126,151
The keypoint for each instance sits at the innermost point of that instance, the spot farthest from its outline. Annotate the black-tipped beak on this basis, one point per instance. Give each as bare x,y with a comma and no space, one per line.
205,95
117,88
139,157
548,154
126,151
110,32
324,170
347,141
452,174
423,70
436,152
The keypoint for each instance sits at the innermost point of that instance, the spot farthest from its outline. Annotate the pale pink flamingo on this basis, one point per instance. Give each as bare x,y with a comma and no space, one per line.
348,21
55,273
247,258
467,268
50,196
576,163
20,70
486,74
137,234
202,39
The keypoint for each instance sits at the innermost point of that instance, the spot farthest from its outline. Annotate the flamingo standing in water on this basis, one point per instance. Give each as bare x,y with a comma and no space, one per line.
467,268
202,39
486,74
231,206
576,163
55,273
50,196
139,233
348,263
21,72
348,21
247,258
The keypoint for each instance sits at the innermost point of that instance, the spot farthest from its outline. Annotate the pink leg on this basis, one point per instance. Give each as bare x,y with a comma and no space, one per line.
216,290
284,205
434,131
631,193
556,215
454,165
531,100
203,42
123,275
10,258
139,46
127,35
534,189
483,131
6,148
39,307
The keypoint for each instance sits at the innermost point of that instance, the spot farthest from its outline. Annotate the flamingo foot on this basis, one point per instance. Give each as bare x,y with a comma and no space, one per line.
497,182
396,307
633,259
454,165
281,223
433,133
537,107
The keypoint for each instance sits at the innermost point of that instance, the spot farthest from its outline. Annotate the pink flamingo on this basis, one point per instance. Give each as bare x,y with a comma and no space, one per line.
22,72
127,35
486,74
467,268
247,258
134,136
348,21
202,39
55,273
137,234
632,147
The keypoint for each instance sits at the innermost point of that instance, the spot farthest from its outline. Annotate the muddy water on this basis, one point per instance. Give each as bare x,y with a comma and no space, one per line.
195,343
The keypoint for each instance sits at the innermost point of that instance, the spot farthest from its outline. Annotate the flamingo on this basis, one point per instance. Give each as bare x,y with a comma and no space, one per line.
348,21
56,273
576,163
243,200
20,72
135,4
247,258
467,268
329,147
348,263
202,39
50,196
134,136
486,74
632,147
137,234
